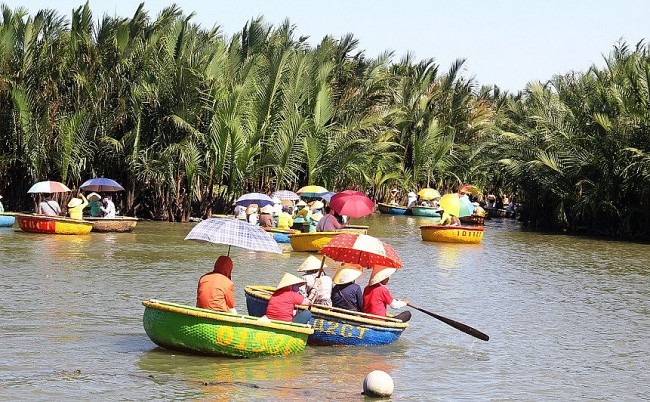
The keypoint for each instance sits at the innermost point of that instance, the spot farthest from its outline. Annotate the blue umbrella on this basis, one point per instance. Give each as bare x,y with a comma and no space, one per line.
101,184
327,196
254,198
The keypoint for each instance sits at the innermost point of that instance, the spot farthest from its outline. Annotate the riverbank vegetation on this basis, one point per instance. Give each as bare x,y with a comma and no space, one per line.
188,119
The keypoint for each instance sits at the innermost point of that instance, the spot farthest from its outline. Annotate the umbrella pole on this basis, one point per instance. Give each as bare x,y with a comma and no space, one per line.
229,250
322,265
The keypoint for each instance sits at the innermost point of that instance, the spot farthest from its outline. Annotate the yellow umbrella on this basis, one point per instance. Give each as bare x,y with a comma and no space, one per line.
455,205
312,191
428,194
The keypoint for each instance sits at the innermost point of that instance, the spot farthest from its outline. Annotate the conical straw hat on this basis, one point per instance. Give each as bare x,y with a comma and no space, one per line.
289,279
346,273
312,263
379,273
93,197
74,202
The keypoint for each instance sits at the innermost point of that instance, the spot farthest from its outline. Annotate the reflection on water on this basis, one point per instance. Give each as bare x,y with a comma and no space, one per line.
567,319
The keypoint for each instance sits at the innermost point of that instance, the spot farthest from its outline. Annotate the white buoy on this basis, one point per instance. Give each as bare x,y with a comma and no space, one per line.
378,383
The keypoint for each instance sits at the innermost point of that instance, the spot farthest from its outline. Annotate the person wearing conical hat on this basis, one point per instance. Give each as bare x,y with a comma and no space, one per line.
284,300
285,220
346,294
76,207
376,295
215,290
94,203
266,216
318,286
252,214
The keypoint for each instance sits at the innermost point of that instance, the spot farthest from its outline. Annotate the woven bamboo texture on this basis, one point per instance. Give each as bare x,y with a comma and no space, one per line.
333,326
194,330
117,224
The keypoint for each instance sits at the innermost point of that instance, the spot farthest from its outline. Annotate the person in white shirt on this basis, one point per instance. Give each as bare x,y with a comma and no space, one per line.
108,207
318,288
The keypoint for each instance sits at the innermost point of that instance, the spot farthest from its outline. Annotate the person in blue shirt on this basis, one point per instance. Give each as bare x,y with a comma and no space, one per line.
346,294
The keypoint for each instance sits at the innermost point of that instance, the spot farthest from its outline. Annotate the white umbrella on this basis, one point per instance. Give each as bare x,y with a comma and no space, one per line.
234,232
49,187
285,195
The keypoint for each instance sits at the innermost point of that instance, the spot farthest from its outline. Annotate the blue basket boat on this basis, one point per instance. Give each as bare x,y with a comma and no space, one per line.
391,209
334,326
7,220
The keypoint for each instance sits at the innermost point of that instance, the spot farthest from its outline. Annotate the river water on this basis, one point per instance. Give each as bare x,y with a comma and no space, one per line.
568,318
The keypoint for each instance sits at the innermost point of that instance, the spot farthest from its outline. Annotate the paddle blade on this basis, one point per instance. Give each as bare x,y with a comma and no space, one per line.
458,325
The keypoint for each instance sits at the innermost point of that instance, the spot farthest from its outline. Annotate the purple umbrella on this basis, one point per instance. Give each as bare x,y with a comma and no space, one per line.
101,184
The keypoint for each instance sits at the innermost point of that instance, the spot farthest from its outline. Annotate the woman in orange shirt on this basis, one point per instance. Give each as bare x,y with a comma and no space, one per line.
216,291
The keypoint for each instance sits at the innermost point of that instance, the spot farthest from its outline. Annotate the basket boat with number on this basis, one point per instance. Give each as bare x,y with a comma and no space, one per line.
334,326
452,234
196,330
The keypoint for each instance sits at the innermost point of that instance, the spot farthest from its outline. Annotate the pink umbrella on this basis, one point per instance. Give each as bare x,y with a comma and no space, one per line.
364,250
354,204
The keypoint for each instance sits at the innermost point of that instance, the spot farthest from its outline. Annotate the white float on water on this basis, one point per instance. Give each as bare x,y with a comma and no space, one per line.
378,383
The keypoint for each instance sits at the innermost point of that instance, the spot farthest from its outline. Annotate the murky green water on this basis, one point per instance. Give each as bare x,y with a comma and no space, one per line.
568,319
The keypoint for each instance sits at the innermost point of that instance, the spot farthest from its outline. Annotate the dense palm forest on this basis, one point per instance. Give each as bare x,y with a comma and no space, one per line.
188,119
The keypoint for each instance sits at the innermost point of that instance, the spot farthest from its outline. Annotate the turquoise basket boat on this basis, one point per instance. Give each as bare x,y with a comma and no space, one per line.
200,331
425,211
334,326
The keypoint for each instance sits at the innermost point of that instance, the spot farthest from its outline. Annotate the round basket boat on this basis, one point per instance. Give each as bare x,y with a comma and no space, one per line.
53,224
452,234
334,326
195,330
390,209
311,241
117,224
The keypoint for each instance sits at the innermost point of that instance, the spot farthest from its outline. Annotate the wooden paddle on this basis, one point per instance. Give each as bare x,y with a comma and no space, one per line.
458,325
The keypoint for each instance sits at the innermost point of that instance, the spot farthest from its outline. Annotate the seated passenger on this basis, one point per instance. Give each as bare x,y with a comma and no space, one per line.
108,208
285,221
49,206
346,294
266,216
330,222
94,203
76,207
318,288
376,295
284,300
216,291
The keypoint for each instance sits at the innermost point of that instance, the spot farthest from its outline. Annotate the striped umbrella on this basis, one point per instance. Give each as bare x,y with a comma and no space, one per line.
312,191
234,232
285,195
364,250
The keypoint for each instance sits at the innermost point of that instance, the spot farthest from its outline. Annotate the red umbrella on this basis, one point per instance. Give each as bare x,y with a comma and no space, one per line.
361,249
354,204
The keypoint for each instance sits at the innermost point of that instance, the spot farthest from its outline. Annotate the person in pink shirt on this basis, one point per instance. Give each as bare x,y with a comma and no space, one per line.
376,295
284,300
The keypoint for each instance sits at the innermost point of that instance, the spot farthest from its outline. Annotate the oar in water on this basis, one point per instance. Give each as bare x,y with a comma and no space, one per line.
458,325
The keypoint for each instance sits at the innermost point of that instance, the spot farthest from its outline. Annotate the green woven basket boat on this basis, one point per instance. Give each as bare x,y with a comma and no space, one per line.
195,330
